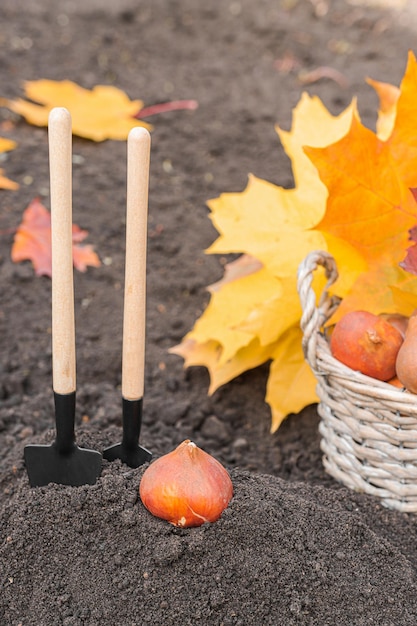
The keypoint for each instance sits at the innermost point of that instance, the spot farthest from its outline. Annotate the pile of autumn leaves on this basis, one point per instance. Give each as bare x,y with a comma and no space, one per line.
353,197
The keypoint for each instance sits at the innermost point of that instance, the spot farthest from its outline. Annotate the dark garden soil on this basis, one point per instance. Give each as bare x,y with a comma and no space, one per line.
293,547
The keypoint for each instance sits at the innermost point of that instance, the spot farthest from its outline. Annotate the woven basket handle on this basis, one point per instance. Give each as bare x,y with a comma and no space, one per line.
314,316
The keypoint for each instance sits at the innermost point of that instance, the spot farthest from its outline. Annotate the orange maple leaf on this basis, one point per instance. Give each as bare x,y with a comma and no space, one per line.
369,205
33,242
403,139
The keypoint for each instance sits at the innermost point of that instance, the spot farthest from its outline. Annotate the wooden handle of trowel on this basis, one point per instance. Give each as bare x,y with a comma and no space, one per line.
63,327
134,316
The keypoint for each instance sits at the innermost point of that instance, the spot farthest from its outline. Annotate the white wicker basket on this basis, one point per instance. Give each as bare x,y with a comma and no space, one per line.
368,427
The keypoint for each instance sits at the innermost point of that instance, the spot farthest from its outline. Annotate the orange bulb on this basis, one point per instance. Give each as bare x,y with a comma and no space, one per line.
366,343
186,487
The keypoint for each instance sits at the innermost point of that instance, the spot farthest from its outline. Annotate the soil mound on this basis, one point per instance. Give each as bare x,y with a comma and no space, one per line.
280,554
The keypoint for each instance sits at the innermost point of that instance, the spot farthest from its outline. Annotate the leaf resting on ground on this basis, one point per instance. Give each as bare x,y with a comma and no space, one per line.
33,242
104,112
5,146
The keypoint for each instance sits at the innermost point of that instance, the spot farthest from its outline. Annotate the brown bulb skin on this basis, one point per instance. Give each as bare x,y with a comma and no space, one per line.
187,487
399,321
406,365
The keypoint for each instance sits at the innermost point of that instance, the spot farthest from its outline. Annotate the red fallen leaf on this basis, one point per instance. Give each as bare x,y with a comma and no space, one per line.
33,242
306,78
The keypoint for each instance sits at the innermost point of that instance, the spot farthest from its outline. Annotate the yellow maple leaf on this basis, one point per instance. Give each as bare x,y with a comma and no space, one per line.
5,146
291,384
104,112
249,312
267,233
313,125
209,354
229,307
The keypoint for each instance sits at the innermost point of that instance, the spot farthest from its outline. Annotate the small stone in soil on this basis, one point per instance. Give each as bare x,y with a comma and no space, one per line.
215,429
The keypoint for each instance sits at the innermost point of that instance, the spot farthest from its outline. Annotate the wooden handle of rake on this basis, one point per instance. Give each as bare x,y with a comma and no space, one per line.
134,316
63,326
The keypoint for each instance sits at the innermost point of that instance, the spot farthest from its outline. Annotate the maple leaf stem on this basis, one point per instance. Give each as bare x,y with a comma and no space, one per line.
314,76
165,107
8,231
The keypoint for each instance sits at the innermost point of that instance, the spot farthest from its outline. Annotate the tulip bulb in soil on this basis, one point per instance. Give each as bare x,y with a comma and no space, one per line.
186,487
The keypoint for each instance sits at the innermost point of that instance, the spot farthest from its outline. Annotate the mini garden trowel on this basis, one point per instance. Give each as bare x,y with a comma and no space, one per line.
133,362
63,461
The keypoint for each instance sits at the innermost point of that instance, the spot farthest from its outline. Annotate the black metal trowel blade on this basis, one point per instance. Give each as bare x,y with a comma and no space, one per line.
62,462
129,451
45,464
